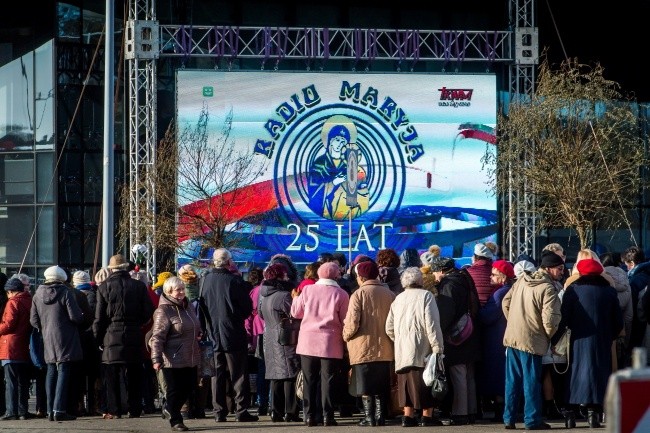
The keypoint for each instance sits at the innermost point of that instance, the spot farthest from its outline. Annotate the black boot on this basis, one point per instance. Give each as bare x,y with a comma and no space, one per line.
380,413
498,412
550,410
593,418
569,419
368,410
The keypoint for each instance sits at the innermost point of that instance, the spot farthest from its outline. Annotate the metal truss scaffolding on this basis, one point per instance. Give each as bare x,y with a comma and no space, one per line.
322,44
519,222
141,54
147,41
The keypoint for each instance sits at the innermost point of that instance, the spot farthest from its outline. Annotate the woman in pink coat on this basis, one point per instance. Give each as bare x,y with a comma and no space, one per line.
322,307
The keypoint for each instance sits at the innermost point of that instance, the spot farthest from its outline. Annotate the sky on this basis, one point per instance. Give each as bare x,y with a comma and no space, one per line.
613,34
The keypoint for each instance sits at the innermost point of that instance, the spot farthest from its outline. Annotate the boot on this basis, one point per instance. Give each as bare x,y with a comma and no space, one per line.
550,410
569,419
498,412
368,410
408,421
593,418
380,414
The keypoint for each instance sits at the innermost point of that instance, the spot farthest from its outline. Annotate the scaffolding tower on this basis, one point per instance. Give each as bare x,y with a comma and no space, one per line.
147,41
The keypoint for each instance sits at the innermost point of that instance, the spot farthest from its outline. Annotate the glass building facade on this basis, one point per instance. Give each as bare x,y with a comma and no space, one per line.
51,145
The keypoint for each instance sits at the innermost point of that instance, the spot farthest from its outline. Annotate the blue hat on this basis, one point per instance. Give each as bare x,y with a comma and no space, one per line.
339,130
14,285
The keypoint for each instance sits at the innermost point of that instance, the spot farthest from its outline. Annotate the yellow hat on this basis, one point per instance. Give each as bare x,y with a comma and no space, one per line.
161,279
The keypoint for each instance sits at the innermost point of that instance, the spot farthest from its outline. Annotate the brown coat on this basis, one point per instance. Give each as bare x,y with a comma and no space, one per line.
175,334
365,323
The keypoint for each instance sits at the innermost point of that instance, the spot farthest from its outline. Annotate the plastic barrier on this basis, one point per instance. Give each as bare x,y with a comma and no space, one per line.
627,400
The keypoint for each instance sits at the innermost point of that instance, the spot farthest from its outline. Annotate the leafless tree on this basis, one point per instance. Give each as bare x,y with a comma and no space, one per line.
200,177
576,147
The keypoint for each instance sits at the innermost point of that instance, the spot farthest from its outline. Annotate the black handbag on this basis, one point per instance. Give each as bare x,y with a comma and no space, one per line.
289,328
439,387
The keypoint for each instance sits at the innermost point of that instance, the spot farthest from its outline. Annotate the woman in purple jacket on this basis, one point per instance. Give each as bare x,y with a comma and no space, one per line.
322,307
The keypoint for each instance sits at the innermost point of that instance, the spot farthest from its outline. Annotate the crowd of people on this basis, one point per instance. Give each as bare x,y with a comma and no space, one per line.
117,344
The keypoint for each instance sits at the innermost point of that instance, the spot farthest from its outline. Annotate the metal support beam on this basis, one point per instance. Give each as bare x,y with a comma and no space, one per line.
266,43
141,54
519,219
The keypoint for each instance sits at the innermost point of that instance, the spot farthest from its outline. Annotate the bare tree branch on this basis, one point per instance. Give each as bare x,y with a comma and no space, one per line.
582,177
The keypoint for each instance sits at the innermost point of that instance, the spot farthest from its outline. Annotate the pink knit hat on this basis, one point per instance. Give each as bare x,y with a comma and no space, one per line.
329,270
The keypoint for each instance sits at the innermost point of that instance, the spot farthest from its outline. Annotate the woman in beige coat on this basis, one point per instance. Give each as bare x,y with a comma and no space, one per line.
413,323
370,349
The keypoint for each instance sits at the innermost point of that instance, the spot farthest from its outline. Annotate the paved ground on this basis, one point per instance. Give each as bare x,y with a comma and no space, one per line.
155,424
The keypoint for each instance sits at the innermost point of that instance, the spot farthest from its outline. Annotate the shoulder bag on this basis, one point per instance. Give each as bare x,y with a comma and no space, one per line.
562,348
300,385
289,328
461,330
37,348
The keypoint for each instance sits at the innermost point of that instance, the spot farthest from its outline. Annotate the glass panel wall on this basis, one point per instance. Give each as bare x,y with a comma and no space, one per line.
27,162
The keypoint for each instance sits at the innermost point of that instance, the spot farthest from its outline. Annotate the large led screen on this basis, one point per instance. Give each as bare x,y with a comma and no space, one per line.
350,162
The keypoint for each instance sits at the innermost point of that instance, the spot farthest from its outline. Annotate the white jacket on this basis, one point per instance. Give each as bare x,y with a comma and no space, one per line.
413,324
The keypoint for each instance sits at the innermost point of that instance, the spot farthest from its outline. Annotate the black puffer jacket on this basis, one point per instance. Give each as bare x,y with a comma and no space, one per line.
175,334
275,303
123,307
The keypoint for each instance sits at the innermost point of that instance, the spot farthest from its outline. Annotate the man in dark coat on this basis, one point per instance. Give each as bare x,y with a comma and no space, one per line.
123,307
227,306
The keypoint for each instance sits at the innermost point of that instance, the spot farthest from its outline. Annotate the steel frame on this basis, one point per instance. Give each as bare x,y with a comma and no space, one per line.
268,43
147,41
141,54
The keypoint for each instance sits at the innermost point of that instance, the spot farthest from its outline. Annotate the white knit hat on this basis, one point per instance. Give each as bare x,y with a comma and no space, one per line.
481,250
80,277
55,273
523,266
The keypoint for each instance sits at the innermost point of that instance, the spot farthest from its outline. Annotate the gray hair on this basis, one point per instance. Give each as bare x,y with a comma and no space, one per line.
221,257
24,278
411,277
171,283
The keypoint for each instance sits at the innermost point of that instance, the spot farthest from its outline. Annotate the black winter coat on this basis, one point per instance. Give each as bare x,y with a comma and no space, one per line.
275,303
123,307
456,296
227,304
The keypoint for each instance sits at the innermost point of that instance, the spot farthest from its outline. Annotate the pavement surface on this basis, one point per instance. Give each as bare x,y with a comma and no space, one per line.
155,424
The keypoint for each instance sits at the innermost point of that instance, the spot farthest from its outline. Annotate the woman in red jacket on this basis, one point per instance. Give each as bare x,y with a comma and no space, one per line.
14,349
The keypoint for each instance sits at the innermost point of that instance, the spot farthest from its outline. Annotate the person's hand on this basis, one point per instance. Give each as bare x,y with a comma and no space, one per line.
157,366
338,180
295,293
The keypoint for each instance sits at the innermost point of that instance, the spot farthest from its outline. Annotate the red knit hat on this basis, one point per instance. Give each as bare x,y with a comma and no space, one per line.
505,267
367,270
589,267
